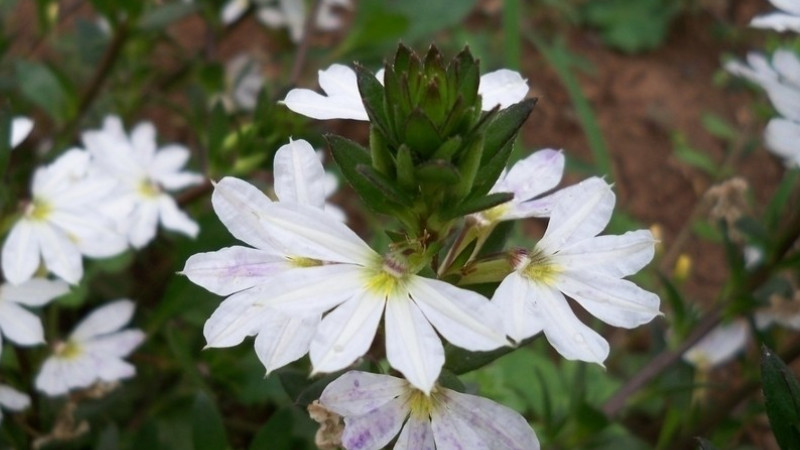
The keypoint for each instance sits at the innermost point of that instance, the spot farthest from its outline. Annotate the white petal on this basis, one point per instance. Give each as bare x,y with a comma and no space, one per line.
719,346
374,430
232,10
581,211
785,98
342,99
568,335
144,223
20,325
115,345
417,434
105,319
308,291
60,255
616,302
502,87
451,432
34,292
515,301
790,6
49,379
20,257
113,369
412,347
615,256
20,129
497,426
463,317
94,235
758,69
12,399
237,317
168,160
143,141
240,205
534,175
782,137
309,232
299,176
346,333
787,64
180,180
357,393
777,21
233,269
174,219
284,339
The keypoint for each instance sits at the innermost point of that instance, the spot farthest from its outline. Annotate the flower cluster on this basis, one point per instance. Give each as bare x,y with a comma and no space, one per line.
95,201
440,141
289,14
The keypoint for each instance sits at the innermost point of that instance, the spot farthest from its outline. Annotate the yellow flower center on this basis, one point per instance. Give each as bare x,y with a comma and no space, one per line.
422,405
538,267
388,277
68,350
39,210
148,188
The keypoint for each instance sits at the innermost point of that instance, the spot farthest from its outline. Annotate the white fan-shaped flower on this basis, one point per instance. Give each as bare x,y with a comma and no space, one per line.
12,400
378,407
64,220
17,323
145,174
719,346
93,352
572,260
787,18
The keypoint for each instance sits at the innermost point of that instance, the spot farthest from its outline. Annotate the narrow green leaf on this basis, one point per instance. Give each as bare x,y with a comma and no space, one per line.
469,162
438,171
385,186
160,17
382,159
420,134
45,89
719,127
460,361
448,149
372,93
208,432
474,205
781,399
405,169
506,124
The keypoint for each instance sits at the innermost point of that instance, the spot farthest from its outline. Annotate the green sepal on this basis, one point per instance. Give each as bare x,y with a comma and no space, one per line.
382,159
448,149
467,77
433,102
394,97
781,399
349,155
420,134
402,59
405,169
372,94
468,164
490,171
384,185
438,171
473,205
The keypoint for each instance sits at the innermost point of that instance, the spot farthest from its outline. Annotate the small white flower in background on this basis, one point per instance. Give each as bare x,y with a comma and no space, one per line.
780,78
17,323
572,260
285,13
243,82
20,129
527,179
324,266
378,407
93,352
63,221
12,400
299,179
719,346
786,19
145,174
342,99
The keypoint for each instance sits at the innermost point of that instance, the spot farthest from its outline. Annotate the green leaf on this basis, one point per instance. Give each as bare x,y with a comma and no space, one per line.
420,134
208,432
405,169
372,94
385,186
438,171
43,87
426,17
275,433
694,157
382,159
719,127
781,399
460,361
631,26
468,164
160,17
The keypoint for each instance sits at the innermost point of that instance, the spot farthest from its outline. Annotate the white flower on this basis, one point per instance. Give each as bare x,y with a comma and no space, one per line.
719,346
780,77
342,99
243,82
378,407
782,137
93,352
528,179
145,174
20,129
299,179
62,221
331,269
571,259
786,19
285,13
12,400
17,323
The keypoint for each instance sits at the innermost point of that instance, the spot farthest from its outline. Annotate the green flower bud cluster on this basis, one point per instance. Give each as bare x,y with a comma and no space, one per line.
433,153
